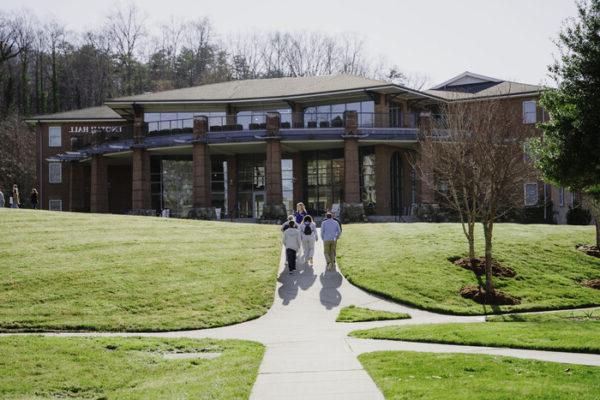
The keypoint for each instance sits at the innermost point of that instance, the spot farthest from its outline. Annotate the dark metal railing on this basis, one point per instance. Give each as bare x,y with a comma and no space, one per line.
257,121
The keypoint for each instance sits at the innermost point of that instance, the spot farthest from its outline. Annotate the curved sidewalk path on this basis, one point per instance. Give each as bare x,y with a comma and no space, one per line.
309,355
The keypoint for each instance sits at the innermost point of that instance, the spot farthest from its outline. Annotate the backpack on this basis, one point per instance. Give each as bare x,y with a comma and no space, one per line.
307,230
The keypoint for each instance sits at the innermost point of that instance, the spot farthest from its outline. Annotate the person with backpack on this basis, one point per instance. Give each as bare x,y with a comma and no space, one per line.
292,243
308,231
330,232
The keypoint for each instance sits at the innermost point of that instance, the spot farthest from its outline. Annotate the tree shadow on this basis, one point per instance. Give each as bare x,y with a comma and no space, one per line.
330,297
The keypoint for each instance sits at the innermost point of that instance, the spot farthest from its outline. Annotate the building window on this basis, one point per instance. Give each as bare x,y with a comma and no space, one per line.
54,136
529,112
54,172
55,205
287,183
561,196
531,194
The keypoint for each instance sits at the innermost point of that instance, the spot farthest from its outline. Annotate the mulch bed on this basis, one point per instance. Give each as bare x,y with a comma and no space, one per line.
477,265
498,298
592,283
589,249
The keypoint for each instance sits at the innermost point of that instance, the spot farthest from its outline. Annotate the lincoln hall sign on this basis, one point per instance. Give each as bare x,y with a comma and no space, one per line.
92,129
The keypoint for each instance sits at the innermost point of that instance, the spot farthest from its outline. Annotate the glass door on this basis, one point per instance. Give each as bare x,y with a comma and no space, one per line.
258,204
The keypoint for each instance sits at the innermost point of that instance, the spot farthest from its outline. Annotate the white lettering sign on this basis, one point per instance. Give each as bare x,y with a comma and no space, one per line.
92,129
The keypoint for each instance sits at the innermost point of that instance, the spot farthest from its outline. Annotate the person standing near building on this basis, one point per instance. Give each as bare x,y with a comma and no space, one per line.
15,197
330,232
292,243
300,213
1,199
33,197
308,231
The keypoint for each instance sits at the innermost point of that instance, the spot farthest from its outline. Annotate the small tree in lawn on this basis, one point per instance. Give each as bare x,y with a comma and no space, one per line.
476,148
447,151
569,152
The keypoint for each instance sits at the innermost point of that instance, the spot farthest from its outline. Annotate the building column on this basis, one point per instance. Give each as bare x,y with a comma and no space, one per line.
382,115
298,167
425,179
274,195
382,180
140,165
297,115
201,164
351,171
76,191
140,179
99,185
232,168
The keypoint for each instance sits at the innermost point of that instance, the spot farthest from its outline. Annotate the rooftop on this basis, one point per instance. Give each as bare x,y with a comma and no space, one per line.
101,113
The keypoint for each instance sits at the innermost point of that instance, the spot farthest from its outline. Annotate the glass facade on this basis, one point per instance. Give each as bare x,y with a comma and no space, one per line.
332,115
256,119
218,183
367,178
287,183
158,122
324,180
251,178
177,186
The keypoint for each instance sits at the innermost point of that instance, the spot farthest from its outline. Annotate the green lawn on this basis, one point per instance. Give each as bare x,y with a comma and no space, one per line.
409,263
574,331
427,376
34,367
106,272
360,314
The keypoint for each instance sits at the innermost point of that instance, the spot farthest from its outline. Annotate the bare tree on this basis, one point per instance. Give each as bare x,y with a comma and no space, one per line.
11,44
479,157
125,26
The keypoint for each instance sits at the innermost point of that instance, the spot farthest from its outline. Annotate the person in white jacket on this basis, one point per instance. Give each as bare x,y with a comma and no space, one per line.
308,231
292,242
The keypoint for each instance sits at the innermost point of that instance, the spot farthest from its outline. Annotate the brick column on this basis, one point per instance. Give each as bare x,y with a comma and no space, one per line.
201,161
297,115
76,191
298,166
425,193
232,186
382,116
351,171
382,180
99,183
140,164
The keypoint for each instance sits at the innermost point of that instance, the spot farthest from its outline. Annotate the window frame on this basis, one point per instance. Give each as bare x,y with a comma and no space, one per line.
54,141
561,196
50,174
527,113
537,189
55,201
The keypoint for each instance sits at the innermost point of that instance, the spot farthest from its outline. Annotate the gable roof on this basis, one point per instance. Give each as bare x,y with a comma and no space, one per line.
466,78
502,89
91,114
262,89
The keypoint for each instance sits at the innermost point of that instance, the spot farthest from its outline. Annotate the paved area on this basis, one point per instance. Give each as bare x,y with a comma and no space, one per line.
310,356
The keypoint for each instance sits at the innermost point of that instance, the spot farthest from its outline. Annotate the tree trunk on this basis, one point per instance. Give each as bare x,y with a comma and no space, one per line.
598,232
488,227
471,238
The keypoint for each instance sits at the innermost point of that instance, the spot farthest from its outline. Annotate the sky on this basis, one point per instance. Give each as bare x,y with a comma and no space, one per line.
507,39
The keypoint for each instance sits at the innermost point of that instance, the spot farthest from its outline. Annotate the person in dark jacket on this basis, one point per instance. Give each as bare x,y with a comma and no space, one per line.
33,197
300,213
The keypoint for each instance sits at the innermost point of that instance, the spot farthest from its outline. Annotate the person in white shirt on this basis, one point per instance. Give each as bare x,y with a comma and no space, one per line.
308,231
292,242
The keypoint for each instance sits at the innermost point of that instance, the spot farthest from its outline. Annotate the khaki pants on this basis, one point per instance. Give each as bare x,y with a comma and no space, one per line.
329,246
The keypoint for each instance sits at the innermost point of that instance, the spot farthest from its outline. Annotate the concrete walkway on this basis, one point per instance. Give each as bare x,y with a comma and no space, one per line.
309,355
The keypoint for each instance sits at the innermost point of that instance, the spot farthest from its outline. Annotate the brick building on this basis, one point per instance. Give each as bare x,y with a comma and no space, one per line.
250,149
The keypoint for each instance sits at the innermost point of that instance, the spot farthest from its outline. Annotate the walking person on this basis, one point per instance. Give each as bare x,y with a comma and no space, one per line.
1,199
292,243
330,232
300,213
308,231
15,197
286,224
33,197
